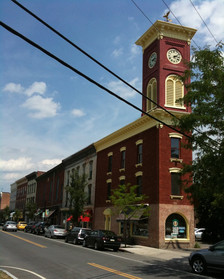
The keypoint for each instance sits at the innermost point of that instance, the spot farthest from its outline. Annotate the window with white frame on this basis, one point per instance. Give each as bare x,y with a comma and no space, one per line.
174,92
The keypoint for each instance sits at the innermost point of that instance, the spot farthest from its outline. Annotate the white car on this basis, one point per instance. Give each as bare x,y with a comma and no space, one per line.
10,226
198,233
55,231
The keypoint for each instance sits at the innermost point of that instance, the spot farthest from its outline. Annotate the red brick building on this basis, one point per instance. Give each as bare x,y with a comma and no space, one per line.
150,154
49,194
4,200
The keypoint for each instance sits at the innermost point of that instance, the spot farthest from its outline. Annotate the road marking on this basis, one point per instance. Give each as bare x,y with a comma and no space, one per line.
114,271
13,267
34,243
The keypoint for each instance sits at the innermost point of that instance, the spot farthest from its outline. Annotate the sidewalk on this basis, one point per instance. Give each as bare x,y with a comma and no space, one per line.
163,254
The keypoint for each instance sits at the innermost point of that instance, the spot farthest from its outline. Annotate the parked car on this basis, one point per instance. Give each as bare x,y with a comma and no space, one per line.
100,239
21,225
198,233
213,257
40,227
9,226
29,226
76,235
55,231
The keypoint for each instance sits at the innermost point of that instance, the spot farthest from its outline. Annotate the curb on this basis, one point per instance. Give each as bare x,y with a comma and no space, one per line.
9,274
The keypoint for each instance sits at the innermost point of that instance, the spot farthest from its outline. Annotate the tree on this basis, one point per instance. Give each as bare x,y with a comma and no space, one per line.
17,215
77,196
127,203
206,125
6,213
31,209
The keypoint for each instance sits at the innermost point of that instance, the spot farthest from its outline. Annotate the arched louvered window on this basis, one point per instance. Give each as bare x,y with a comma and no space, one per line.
174,92
151,94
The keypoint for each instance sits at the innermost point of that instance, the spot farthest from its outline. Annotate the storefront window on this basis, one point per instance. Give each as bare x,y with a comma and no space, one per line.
176,227
140,227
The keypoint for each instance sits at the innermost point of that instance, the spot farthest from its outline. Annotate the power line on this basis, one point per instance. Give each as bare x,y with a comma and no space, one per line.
92,58
86,77
204,22
179,22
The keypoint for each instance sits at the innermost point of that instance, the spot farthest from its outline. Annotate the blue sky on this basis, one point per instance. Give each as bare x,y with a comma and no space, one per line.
47,112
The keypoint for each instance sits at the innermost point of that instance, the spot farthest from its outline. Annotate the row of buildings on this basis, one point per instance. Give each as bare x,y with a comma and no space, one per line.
146,153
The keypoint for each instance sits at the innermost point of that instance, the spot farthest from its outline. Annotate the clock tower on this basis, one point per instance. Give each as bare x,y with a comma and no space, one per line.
166,50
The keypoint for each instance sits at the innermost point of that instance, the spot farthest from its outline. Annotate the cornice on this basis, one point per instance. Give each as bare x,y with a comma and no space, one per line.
140,125
161,29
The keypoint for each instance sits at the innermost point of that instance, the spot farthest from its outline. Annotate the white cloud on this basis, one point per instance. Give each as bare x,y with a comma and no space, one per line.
123,90
36,87
77,113
117,52
12,176
117,40
50,162
22,163
13,88
41,107
211,12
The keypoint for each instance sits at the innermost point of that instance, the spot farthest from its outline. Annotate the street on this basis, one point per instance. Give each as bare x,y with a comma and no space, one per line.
31,256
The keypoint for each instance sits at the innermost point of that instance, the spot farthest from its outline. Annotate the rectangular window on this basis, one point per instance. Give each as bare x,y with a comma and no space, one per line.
122,182
108,190
57,188
139,183
89,194
175,148
123,159
139,154
110,164
175,184
90,170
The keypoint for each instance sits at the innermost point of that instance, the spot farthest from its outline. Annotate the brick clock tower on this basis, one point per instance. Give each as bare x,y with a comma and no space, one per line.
166,50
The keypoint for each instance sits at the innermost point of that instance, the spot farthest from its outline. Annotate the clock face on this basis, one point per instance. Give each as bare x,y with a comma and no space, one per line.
174,56
152,60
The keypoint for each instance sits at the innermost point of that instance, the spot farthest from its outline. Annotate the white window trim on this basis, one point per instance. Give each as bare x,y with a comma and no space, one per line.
169,106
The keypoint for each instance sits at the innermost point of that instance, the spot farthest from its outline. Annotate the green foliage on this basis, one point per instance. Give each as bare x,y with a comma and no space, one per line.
77,195
206,123
6,213
17,215
31,209
127,203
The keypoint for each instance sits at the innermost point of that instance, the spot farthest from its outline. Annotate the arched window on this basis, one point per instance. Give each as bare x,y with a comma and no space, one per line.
151,94
176,226
174,92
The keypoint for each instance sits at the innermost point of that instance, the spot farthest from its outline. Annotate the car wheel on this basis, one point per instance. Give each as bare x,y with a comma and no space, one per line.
66,239
198,265
84,243
75,241
96,246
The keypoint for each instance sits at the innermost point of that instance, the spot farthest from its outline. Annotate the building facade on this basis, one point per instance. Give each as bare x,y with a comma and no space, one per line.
84,162
4,200
13,188
149,152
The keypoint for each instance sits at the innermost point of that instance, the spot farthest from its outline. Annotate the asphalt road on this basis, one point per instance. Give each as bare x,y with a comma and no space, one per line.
28,256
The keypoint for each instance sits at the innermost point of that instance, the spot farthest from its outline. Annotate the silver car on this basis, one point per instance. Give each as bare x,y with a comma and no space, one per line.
213,257
10,226
55,231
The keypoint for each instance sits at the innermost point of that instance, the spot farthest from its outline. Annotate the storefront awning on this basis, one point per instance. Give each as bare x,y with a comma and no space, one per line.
49,213
135,215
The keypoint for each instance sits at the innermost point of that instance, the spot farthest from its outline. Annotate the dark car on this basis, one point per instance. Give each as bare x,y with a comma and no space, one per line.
100,239
39,228
76,235
29,226
213,257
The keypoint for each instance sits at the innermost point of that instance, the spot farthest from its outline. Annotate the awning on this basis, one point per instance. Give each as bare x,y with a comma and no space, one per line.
135,215
49,213
69,219
86,217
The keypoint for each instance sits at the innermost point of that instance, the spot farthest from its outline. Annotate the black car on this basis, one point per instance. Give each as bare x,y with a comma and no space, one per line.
76,235
213,258
39,228
29,226
100,239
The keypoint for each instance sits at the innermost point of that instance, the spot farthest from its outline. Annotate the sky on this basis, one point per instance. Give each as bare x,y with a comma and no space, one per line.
47,111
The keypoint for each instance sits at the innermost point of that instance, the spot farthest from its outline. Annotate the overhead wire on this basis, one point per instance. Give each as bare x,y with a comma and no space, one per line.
13,31
91,57
204,22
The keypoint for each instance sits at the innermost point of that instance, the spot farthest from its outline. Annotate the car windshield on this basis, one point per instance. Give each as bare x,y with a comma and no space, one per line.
11,222
108,233
58,227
